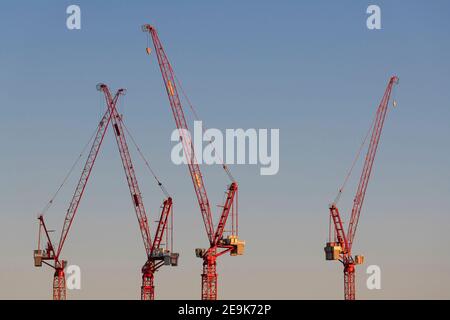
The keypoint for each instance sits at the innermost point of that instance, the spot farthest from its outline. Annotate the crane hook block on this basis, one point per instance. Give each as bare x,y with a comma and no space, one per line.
149,50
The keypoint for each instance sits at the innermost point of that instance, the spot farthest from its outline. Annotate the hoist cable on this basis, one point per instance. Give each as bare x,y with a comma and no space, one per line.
355,160
146,162
50,202
194,112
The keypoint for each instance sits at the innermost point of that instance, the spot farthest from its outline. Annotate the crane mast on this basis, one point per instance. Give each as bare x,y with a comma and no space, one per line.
215,236
155,258
341,248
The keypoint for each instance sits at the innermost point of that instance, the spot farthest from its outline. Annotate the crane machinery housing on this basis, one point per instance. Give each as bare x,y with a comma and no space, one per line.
339,246
218,243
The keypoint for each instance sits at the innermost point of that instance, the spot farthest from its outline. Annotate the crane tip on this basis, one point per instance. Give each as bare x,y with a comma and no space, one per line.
395,79
146,27
100,86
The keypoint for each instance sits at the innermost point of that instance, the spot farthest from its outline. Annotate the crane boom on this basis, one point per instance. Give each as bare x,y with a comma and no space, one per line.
368,164
180,120
133,185
85,174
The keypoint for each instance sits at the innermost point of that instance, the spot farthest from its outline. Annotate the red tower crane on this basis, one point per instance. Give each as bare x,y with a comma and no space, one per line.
156,256
218,245
50,253
340,248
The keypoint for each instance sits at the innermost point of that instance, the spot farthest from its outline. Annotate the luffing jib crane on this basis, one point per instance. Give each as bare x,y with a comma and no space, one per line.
50,252
218,244
156,256
339,246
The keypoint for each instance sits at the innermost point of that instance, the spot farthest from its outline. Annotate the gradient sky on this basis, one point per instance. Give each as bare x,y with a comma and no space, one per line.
310,68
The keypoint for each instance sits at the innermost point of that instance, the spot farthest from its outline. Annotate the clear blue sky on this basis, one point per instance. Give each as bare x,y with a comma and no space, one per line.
310,68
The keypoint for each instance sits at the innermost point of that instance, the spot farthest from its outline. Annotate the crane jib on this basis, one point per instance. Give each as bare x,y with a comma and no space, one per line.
129,169
368,164
180,121
90,161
